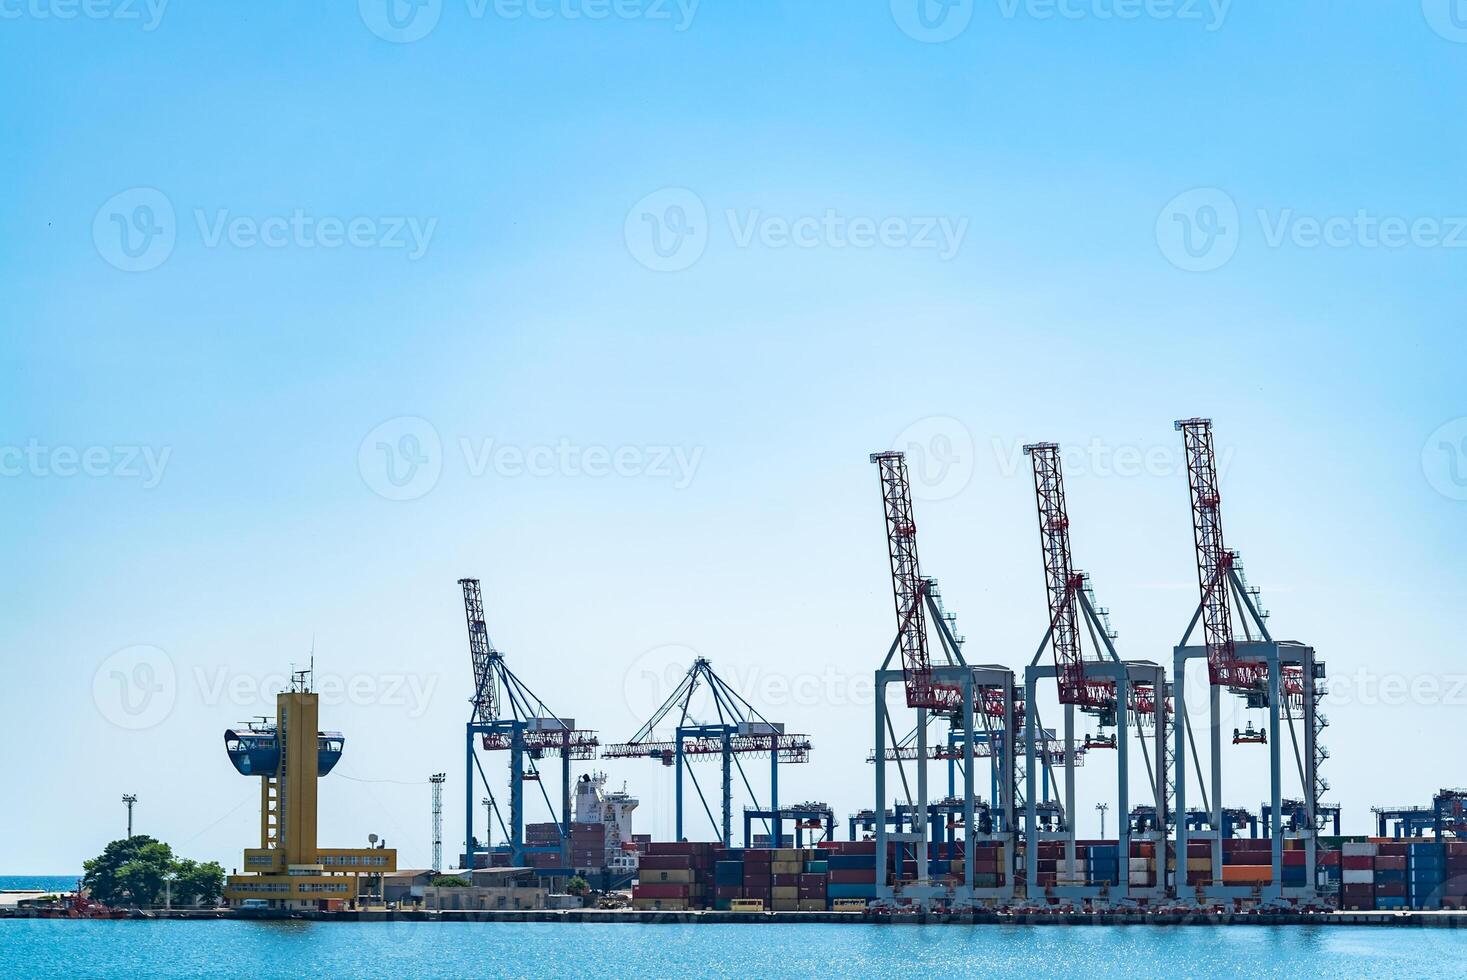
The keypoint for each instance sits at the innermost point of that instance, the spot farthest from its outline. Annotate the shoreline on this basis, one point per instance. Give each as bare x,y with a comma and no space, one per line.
1409,919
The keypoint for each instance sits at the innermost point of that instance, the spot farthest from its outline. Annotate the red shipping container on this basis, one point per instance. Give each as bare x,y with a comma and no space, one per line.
761,882
1394,849
1391,889
812,880
1293,859
1358,862
752,856
786,881
852,876
1328,859
1387,862
727,892
667,862
661,890
812,892
1456,849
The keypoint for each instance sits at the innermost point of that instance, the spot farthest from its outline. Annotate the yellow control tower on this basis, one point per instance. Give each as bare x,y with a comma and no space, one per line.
288,870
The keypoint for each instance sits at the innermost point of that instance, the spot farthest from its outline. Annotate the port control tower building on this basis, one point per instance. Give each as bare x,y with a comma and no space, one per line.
288,754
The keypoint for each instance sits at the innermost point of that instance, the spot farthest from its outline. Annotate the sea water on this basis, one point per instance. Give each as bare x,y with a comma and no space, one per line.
298,949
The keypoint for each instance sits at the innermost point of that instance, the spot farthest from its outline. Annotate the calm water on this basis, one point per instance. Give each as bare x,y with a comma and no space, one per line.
46,948
28,883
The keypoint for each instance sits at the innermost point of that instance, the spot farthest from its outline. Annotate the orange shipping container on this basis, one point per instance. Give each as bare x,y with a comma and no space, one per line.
1247,874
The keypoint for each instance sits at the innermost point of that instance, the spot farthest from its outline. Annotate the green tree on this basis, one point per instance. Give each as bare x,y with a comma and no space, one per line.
450,881
577,886
195,883
129,872
132,871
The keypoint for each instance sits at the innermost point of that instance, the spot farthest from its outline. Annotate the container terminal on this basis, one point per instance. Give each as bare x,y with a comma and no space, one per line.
996,842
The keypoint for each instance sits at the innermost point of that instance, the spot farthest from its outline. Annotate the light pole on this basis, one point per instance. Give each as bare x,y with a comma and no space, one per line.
488,827
129,799
1102,807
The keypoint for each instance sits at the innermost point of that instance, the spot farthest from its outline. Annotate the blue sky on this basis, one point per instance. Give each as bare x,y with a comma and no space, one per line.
642,292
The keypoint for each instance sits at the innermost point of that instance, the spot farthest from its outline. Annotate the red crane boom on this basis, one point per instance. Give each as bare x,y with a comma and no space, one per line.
1214,563
1062,583
910,590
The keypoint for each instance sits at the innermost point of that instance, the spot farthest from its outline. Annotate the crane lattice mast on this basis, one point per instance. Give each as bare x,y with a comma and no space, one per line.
909,589
486,689
1063,583
1214,563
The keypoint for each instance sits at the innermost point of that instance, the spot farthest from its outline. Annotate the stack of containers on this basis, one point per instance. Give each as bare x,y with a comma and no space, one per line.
1142,873
1067,874
1102,863
1199,863
852,869
1357,875
1426,869
1050,854
1327,860
1247,861
546,835
588,846
813,880
785,867
988,865
1296,874
758,874
1454,885
673,876
728,879
1391,883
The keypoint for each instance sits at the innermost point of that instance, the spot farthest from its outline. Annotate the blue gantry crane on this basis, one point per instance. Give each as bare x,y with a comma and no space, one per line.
509,717
735,728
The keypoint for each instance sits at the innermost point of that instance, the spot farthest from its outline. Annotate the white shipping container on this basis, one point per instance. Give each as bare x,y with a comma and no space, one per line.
1142,864
1358,849
1358,876
1139,878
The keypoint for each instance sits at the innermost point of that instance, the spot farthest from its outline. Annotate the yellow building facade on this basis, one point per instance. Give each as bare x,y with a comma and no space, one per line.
289,870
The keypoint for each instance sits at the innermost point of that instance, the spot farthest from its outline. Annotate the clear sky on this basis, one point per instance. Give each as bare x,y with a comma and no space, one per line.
311,309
